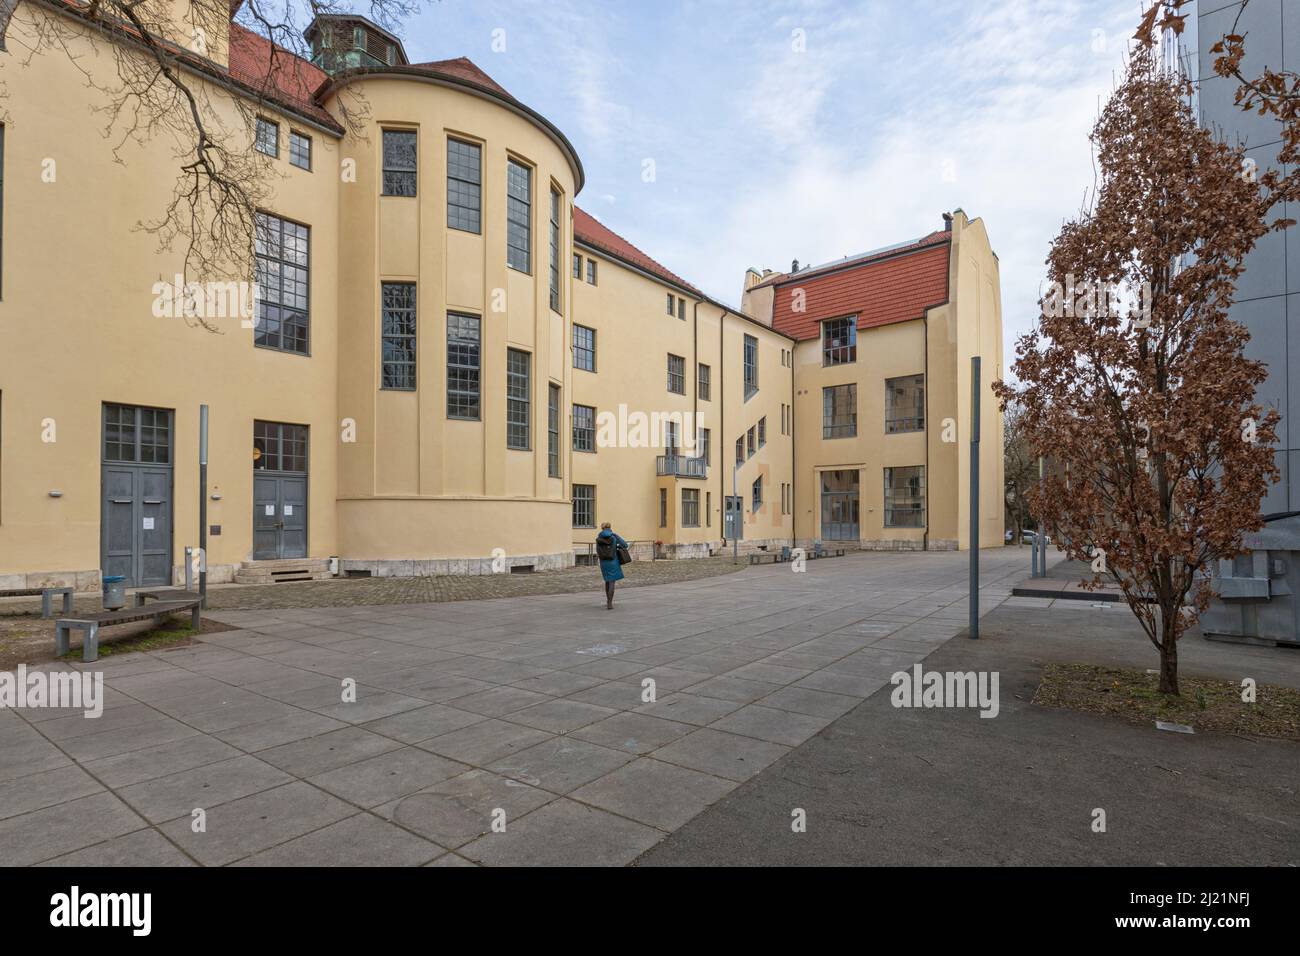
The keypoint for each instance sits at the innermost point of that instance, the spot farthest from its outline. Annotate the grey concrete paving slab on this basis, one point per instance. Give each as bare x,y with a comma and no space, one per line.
338,748
45,789
122,770
560,764
140,848
633,733
412,726
560,716
258,822
565,833
767,723
388,776
165,798
360,840
455,811
55,830
722,754
655,793
487,741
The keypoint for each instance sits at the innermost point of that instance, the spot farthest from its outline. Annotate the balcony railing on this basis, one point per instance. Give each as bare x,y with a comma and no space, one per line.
679,466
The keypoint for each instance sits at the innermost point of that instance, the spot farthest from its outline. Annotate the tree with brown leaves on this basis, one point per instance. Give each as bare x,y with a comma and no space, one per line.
1134,381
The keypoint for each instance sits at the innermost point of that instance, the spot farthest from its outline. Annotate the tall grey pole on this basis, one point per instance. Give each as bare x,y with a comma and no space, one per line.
203,506
975,497
1040,547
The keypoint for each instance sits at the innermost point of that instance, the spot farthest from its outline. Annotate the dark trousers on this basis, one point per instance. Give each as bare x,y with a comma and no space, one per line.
609,591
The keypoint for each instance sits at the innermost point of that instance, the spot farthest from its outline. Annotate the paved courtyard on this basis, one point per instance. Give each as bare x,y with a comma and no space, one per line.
494,732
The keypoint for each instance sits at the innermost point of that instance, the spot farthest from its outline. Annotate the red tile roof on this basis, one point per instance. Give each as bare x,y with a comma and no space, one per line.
587,229
277,74
893,285
464,69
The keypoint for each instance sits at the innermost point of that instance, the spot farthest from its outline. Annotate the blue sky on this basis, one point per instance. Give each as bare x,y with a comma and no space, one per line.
893,112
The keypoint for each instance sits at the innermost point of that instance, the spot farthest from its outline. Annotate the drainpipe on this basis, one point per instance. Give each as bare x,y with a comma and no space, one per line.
929,430
722,412
794,477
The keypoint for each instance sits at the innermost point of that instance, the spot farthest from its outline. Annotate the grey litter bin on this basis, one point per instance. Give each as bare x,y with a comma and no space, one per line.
114,592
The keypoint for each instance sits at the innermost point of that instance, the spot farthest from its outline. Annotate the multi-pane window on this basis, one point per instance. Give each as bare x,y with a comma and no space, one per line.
671,300
268,137
137,434
762,431
299,150
840,341
584,348
591,271
464,186
283,260
399,162
757,493
905,497
279,447
750,446
671,441
584,428
840,411
518,400
677,374
663,507
584,506
556,204
577,266
398,366
681,309
751,366
553,430
519,216
690,507
905,404
708,509
463,366
703,382
704,447
740,450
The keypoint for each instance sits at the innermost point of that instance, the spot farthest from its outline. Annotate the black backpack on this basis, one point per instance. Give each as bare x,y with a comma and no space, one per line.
605,547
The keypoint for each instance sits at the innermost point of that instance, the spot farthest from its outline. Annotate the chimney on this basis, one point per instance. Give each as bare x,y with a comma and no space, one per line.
794,267
947,222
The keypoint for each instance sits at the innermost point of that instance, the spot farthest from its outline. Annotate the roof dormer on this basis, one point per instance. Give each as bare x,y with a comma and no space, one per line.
346,41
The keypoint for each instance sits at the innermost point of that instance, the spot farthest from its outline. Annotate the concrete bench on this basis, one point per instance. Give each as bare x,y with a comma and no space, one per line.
92,623
46,595
164,594
764,557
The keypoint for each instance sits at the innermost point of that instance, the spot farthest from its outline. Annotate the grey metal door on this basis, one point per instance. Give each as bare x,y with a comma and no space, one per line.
279,491
733,517
136,495
840,506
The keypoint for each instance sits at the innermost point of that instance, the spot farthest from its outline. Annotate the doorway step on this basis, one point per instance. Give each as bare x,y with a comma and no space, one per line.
285,569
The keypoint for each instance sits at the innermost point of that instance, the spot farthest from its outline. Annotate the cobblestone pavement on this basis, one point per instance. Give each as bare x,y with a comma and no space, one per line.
517,731
356,592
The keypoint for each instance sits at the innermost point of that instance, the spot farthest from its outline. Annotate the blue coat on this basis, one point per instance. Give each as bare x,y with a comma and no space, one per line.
611,570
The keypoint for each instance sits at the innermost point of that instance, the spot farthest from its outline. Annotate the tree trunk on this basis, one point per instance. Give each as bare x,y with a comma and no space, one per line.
1168,655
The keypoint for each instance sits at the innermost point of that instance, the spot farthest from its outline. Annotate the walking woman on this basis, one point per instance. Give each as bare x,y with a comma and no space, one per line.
608,546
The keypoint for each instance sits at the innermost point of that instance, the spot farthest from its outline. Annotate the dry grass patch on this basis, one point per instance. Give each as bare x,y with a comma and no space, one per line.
1207,705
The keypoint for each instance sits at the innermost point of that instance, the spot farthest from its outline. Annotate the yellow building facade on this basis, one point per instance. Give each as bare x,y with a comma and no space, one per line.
447,366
